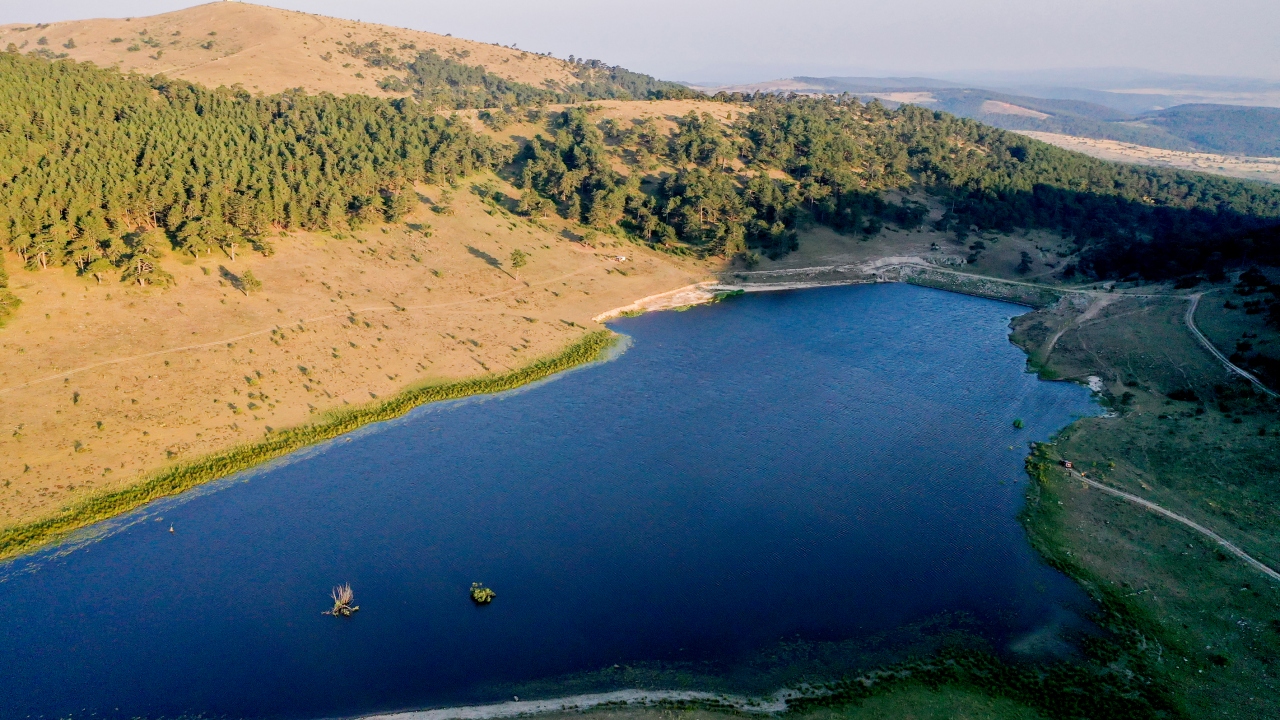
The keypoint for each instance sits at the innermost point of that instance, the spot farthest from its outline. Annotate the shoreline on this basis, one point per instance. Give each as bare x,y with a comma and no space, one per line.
911,270
709,292
27,537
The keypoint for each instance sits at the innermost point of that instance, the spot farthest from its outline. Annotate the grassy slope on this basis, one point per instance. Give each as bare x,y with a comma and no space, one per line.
1237,325
908,702
916,702
1205,624
21,538
1223,128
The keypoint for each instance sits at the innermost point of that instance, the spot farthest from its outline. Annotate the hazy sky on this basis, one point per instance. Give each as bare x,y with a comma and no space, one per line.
745,40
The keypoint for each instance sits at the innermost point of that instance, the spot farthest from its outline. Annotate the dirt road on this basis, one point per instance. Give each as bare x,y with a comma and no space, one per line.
1191,325
1228,546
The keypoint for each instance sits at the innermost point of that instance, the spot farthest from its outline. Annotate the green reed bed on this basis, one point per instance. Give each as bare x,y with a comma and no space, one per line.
173,480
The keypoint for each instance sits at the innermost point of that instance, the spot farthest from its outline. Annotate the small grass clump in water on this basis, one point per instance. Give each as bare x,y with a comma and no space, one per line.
342,599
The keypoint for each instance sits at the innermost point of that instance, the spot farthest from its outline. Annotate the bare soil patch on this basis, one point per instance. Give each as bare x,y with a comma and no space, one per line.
989,254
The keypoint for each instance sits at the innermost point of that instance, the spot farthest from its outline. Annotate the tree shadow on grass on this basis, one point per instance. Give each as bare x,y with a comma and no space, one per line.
489,260
232,279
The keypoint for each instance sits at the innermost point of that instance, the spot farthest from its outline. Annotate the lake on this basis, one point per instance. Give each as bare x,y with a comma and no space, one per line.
753,492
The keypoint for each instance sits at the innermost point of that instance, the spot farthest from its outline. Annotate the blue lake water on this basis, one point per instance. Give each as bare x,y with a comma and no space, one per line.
813,466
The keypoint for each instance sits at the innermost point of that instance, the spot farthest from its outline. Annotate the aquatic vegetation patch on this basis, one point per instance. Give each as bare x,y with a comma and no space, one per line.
28,536
727,294
343,597
482,595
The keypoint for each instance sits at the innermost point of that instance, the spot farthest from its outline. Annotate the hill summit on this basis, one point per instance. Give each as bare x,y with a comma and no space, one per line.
270,50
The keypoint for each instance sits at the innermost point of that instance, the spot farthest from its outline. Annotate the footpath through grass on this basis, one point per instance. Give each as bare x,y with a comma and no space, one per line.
29,536
1189,436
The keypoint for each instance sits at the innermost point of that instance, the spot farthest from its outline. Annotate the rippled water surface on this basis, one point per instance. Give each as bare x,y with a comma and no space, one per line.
797,468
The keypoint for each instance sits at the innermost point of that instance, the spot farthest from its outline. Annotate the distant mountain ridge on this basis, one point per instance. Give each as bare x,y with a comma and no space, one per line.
1254,130
1124,117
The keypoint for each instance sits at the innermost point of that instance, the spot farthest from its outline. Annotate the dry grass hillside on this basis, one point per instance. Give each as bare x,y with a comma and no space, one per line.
264,49
100,384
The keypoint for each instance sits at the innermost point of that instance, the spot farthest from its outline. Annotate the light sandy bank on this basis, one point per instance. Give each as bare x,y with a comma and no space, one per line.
771,704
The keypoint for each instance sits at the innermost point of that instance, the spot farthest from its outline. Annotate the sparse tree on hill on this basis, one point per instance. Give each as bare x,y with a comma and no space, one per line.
249,282
142,264
532,204
99,269
574,210
518,260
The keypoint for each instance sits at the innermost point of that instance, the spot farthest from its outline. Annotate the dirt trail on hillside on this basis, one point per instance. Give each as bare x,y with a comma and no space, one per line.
1200,337
1099,302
